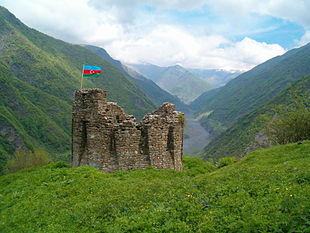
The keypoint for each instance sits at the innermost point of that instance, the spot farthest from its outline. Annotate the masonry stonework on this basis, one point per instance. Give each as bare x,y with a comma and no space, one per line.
104,136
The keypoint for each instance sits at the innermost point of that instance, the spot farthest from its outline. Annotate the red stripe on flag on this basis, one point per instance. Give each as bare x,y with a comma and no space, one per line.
91,71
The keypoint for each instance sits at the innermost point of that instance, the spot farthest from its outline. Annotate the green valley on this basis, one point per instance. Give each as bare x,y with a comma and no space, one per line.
244,135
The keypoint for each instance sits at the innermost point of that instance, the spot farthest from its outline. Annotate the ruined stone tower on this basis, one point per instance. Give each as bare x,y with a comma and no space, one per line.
104,136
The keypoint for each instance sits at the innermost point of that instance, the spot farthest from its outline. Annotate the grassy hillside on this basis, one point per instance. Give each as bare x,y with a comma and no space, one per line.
268,191
38,76
254,88
236,139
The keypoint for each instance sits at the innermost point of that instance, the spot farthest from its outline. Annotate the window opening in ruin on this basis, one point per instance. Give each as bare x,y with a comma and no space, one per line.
83,140
84,134
170,142
143,144
112,142
117,118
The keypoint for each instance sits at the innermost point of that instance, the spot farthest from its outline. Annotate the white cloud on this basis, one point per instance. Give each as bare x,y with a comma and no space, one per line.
161,4
131,37
248,53
304,39
295,11
167,45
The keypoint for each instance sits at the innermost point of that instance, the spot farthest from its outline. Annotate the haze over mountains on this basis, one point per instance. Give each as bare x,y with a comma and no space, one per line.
216,78
175,79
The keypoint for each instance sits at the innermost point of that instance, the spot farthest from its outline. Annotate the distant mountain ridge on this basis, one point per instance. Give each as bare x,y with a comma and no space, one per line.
174,79
150,88
215,77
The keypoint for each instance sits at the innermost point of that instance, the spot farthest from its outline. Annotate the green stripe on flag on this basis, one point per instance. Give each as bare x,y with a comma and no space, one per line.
90,75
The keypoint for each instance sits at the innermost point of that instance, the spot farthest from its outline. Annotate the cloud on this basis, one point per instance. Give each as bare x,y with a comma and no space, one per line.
295,11
167,45
184,5
304,39
132,34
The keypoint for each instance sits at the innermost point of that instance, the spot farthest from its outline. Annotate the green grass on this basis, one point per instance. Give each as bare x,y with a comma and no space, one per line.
267,191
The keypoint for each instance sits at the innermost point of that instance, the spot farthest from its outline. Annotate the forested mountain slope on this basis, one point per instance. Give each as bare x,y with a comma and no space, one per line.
241,137
38,77
252,89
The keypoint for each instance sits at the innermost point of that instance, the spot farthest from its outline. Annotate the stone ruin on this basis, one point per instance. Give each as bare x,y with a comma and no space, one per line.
104,136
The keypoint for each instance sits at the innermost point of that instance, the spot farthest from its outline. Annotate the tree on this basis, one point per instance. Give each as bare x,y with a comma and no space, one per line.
289,125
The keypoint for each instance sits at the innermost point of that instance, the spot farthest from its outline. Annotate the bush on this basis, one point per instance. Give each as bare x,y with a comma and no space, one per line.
196,166
226,161
59,164
27,159
288,126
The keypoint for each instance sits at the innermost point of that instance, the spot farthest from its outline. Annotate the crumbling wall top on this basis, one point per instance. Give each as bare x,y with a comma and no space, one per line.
94,93
164,114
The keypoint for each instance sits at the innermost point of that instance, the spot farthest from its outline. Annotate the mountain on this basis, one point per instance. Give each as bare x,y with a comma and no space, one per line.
268,191
252,89
150,71
216,78
150,88
38,76
245,134
175,79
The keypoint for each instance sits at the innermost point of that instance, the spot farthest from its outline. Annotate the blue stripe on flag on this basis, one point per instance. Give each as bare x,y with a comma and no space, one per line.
91,67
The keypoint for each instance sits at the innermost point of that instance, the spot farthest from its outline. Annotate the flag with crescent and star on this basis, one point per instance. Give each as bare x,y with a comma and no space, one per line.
91,71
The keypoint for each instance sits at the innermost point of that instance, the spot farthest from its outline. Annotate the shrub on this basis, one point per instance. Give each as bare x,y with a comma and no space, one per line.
59,164
27,159
288,125
196,166
226,161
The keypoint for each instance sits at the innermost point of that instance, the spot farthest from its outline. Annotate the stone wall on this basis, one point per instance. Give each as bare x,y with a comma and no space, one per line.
104,136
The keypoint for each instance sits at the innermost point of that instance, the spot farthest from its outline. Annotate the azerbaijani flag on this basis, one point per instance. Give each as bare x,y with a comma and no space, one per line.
91,71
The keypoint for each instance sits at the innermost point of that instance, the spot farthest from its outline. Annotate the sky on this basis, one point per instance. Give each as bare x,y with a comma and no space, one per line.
206,34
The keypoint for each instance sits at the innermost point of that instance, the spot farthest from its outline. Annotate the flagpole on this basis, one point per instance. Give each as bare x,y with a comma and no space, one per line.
82,78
